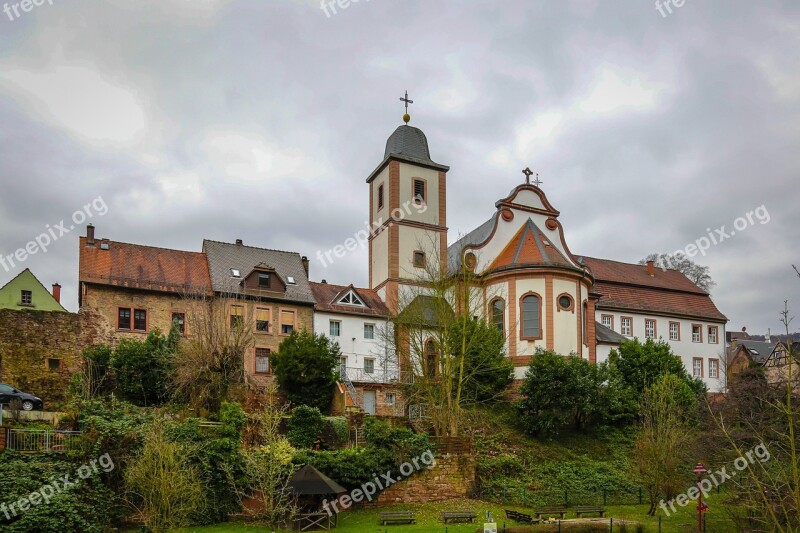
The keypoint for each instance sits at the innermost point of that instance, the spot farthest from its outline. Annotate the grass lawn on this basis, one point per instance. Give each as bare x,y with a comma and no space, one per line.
428,519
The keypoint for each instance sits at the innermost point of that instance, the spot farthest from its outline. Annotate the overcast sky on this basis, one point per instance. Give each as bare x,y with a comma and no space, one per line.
261,119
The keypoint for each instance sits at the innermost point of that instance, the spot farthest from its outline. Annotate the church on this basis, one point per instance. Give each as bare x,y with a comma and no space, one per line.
534,288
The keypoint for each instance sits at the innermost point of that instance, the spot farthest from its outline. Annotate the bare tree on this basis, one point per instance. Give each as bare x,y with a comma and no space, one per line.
699,275
211,358
431,338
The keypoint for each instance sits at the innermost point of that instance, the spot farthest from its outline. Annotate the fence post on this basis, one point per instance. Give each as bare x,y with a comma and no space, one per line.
559,525
659,523
640,495
704,523
611,525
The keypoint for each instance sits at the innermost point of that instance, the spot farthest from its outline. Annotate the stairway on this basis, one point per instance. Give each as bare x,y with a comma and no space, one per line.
354,395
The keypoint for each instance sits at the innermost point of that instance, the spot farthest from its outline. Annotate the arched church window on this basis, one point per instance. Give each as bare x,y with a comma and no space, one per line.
531,317
498,309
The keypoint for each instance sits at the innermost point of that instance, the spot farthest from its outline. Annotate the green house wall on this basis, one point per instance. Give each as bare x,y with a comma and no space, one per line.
42,300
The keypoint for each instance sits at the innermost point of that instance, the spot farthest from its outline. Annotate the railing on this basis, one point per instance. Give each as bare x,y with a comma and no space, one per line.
379,375
421,410
42,440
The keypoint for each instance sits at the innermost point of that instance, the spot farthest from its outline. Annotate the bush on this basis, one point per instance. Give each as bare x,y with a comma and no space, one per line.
336,433
88,506
142,368
304,426
402,443
305,368
350,467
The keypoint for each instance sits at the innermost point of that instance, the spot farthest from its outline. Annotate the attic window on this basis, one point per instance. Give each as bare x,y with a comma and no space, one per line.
290,280
104,246
351,299
235,273
26,298
264,280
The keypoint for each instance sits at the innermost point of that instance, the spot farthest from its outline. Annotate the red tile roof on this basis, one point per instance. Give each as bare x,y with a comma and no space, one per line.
633,274
326,293
143,267
626,286
528,247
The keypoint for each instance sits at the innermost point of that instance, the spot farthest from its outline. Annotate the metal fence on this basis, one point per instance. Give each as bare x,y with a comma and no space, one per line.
42,440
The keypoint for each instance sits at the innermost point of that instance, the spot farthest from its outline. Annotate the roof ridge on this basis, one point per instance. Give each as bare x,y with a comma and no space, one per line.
252,247
148,246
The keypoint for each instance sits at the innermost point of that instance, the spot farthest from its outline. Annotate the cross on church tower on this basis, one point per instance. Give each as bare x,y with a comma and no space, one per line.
405,99
528,173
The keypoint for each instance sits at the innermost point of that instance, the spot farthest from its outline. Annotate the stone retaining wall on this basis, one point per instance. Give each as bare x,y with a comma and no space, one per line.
453,477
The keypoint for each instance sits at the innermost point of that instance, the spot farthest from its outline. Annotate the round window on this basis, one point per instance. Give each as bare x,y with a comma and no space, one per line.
565,302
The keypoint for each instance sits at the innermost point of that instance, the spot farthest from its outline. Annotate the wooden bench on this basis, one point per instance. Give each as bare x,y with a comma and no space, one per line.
551,510
587,509
522,518
398,517
458,516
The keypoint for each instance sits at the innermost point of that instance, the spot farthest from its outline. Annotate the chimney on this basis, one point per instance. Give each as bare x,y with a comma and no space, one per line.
57,292
769,335
651,269
305,264
324,282
90,235
239,242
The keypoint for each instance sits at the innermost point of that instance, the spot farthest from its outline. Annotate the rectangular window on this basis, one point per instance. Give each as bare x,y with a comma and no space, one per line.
530,317
419,191
713,335
263,318
713,368
26,298
53,364
369,331
380,196
650,328
390,398
124,318
697,367
335,328
626,326
237,315
262,360
264,280
607,321
179,320
674,331
369,366
419,259
697,333
140,320
287,322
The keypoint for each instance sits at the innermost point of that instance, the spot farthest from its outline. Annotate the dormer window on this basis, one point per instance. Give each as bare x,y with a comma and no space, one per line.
236,273
264,280
351,299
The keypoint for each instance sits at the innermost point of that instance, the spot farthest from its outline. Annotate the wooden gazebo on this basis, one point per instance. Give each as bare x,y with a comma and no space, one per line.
311,487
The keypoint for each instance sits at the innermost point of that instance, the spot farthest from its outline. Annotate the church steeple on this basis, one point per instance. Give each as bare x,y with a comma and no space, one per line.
408,212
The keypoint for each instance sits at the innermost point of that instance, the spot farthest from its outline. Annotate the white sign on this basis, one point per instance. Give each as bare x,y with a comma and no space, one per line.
490,527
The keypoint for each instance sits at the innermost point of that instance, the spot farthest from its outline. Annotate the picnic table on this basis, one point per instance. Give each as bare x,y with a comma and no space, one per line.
551,510
588,509
398,517
522,518
458,516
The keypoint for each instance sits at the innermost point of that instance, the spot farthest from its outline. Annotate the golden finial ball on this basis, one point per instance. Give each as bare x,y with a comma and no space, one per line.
406,118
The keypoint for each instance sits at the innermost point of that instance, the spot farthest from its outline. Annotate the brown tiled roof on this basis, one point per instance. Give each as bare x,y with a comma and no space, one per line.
143,267
529,247
633,274
656,300
326,293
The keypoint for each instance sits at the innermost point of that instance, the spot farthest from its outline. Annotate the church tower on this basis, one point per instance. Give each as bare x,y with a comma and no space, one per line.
407,214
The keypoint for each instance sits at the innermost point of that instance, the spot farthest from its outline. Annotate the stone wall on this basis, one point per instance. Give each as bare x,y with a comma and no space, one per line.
29,340
2,438
453,477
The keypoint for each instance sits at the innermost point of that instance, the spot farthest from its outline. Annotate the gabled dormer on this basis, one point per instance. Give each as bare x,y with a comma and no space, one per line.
349,296
264,277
